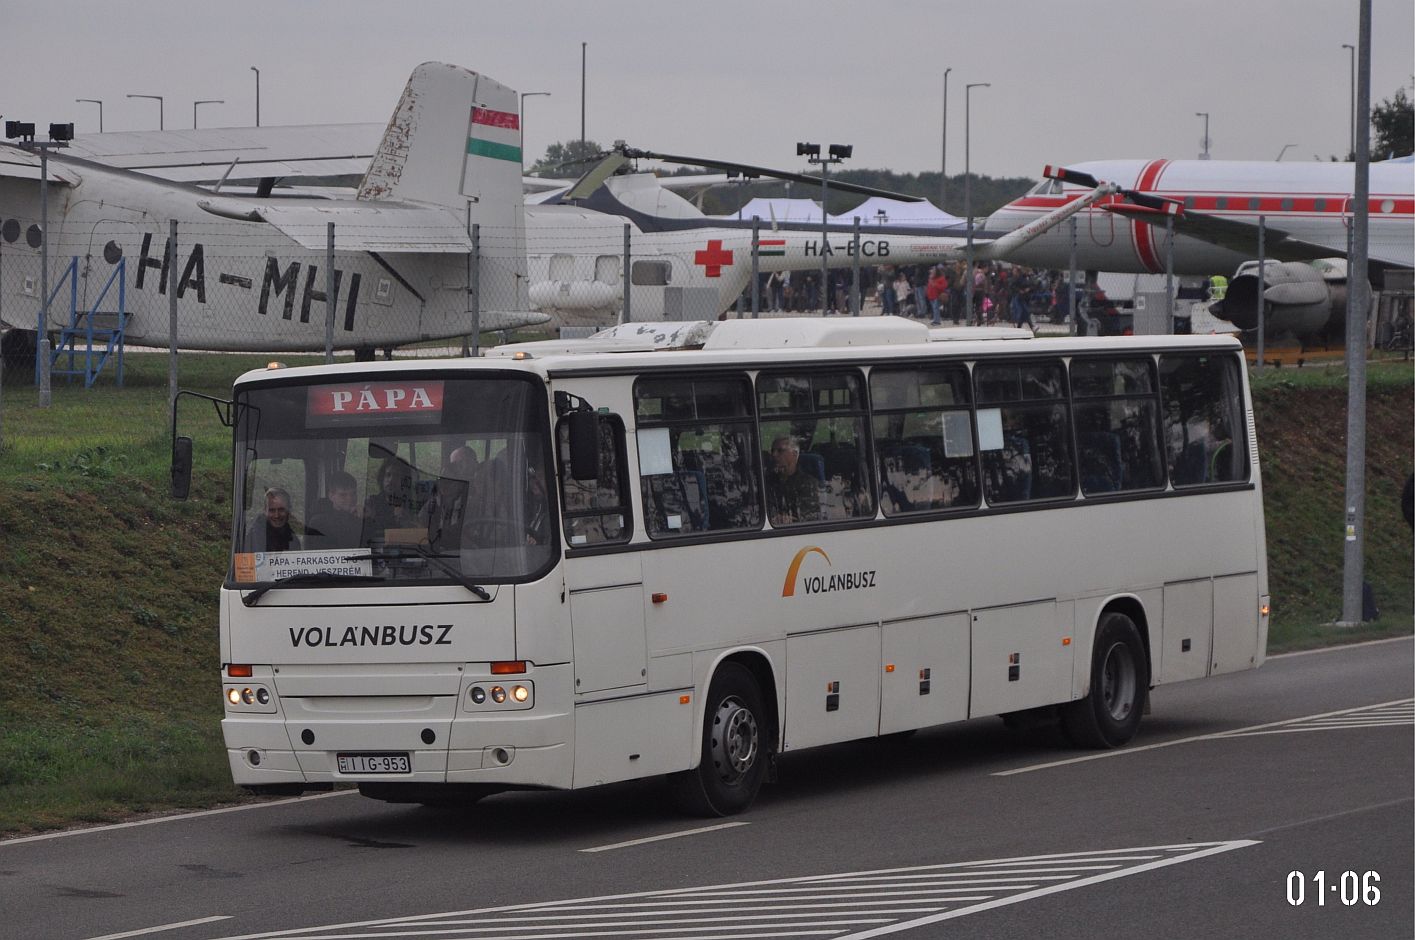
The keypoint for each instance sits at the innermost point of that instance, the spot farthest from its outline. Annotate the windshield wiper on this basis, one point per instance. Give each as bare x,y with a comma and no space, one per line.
422,551
309,577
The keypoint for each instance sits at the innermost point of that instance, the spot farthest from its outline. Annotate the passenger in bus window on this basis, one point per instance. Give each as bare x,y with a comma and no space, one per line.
390,507
271,529
792,495
337,525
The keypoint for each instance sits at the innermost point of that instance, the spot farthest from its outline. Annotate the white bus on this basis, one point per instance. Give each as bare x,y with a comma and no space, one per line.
681,549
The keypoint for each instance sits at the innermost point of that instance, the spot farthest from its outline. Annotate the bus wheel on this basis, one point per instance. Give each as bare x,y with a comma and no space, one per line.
1110,713
735,740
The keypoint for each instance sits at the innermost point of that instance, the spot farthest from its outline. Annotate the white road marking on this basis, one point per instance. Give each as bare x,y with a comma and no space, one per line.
817,905
1272,727
150,930
1344,646
166,819
666,835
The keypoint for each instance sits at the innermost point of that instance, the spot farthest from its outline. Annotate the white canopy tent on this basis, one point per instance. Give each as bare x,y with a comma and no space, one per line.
879,210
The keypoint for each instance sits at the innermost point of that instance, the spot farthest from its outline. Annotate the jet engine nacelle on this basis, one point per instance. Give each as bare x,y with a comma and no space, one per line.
1301,299
574,297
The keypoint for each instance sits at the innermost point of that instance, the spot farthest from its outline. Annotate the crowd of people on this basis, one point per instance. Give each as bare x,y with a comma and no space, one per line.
1002,293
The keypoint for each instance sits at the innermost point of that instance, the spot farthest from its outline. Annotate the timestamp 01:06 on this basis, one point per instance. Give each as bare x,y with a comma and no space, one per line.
1350,887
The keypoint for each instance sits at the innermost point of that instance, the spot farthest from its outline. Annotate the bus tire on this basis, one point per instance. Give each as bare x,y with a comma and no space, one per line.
1110,713
735,744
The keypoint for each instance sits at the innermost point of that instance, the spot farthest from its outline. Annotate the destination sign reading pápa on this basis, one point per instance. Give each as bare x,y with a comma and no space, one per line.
252,567
410,402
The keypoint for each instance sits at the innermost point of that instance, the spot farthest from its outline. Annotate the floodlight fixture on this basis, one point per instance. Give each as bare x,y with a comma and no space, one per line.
19,130
61,131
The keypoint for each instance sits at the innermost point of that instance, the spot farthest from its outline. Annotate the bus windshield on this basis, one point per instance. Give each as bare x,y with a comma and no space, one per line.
420,478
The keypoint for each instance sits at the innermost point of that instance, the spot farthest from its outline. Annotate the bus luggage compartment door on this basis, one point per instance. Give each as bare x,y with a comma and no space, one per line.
924,672
832,686
1022,657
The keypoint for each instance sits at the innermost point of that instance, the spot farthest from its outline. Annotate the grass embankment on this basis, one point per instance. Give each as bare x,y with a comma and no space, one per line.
108,699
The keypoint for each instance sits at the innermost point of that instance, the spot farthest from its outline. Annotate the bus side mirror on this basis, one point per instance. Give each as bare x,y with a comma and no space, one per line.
584,445
181,467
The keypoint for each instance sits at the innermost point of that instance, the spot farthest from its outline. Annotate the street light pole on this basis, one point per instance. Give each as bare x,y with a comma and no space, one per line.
583,47
835,153
1351,147
257,95
100,109
943,161
521,119
160,106
1205,116
203,101
1283,151
59,137
967,187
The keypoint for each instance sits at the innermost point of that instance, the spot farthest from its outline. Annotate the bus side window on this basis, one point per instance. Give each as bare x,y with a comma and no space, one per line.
1203,419
697,455
815,455
596,511
1025,438
1117,430
923,432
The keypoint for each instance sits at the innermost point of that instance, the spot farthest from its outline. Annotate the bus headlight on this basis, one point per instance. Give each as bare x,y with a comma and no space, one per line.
487,697
250,698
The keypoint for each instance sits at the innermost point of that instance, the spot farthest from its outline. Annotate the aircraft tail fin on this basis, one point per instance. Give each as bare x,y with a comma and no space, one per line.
454,138
454,141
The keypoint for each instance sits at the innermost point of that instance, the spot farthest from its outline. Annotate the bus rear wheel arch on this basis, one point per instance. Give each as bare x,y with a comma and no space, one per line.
737,744
1110,712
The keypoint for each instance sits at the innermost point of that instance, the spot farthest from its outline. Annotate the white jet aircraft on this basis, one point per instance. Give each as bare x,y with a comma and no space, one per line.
1214,206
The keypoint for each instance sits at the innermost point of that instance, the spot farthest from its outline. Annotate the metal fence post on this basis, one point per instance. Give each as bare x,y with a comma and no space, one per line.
855,271
475,288
1262,289
1168,273
172,277
1070,284
330,296
625,316
756,266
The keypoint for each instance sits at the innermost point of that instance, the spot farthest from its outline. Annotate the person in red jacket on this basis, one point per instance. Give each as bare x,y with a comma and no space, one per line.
936,290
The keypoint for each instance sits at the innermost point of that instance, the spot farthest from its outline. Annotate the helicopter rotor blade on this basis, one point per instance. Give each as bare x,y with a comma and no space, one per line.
747,170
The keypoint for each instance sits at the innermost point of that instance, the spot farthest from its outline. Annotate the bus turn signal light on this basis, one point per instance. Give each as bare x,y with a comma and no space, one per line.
659,598
513,667
238,672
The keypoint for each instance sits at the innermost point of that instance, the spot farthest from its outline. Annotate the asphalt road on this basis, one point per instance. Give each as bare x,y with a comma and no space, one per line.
1306,765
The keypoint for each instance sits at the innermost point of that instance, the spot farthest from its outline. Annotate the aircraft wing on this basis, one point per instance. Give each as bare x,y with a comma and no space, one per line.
359,225
21,164
205,154
1231,234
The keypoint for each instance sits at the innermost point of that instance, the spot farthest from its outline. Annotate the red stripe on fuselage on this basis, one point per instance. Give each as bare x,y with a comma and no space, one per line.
1143,232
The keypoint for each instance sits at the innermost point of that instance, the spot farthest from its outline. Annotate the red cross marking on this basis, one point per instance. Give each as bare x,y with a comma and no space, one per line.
713,258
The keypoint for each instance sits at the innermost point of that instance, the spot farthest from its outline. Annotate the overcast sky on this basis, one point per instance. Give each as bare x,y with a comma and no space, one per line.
1070,81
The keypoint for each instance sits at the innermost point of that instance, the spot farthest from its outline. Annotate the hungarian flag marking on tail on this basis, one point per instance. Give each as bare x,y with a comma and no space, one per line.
771,247
495,134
